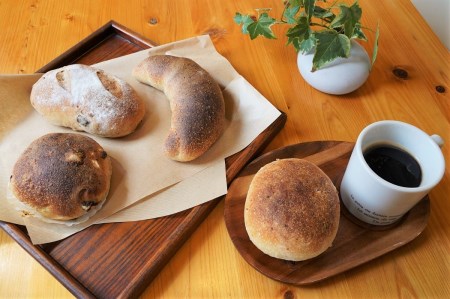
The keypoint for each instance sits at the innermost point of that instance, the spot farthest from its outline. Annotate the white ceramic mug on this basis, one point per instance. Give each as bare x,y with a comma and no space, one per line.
373,199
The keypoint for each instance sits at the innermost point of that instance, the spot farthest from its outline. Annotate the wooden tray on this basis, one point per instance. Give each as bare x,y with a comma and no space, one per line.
121,259
354,244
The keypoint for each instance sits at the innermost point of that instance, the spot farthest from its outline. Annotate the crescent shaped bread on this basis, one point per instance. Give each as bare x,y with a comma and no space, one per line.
196,102
62,175
292,210
88,99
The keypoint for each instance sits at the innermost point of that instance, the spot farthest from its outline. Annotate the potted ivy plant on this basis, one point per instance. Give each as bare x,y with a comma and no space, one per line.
324,35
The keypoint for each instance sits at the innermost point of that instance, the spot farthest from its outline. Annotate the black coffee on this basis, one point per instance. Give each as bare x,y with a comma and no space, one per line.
394,165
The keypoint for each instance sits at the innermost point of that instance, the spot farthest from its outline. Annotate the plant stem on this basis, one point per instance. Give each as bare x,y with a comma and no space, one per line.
320,25
284,10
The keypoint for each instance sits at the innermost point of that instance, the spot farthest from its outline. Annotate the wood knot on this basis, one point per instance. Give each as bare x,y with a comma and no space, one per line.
69,17
440,89
153,21
400,73
288,295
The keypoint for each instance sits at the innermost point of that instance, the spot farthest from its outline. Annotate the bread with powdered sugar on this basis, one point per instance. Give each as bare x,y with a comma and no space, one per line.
88,99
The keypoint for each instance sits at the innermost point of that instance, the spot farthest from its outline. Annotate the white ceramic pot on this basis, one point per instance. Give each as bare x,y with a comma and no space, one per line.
341,76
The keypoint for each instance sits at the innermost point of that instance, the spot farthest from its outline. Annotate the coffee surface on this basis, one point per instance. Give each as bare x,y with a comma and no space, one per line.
394,165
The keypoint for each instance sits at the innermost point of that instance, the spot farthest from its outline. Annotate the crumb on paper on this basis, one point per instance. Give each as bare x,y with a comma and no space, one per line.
26,213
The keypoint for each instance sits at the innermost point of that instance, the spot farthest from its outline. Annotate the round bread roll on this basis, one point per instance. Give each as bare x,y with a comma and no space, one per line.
62,175
196,102
84,98
292,210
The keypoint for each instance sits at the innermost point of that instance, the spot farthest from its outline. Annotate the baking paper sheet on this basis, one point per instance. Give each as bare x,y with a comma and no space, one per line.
141,172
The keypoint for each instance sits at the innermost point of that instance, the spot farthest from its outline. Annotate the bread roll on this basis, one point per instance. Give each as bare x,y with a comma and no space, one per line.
87,99
196,101
62,176
292,210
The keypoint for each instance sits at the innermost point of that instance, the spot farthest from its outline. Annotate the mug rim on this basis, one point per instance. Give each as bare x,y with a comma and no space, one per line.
440,169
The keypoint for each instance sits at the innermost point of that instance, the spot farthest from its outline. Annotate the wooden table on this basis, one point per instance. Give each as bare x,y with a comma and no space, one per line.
208,265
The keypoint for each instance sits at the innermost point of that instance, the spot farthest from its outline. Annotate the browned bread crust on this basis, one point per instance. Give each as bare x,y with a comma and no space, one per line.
87,99
62,176
292,210
196,101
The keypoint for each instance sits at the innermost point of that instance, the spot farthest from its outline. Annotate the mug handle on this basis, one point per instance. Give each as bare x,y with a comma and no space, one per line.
438,139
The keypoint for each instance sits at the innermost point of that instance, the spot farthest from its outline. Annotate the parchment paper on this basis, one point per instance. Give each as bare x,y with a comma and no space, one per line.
140,168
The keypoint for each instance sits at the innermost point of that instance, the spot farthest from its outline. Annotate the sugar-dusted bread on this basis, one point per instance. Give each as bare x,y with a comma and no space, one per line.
292,210
84,98
196,101
62,175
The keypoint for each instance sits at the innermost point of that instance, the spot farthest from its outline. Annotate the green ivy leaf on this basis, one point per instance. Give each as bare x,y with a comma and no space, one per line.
262,27
245,20
296,2
330,45
238,18
358,33
324,14
289,14
375,46
348,18
300,32
309,7
308,44
321,12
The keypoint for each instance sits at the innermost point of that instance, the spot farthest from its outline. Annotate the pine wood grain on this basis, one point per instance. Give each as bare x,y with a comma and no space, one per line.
208,265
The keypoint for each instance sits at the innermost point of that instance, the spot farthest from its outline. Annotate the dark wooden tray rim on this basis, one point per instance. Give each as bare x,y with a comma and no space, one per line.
67,259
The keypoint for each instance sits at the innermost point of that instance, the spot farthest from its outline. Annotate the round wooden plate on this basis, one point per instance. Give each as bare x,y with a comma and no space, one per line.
354,244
